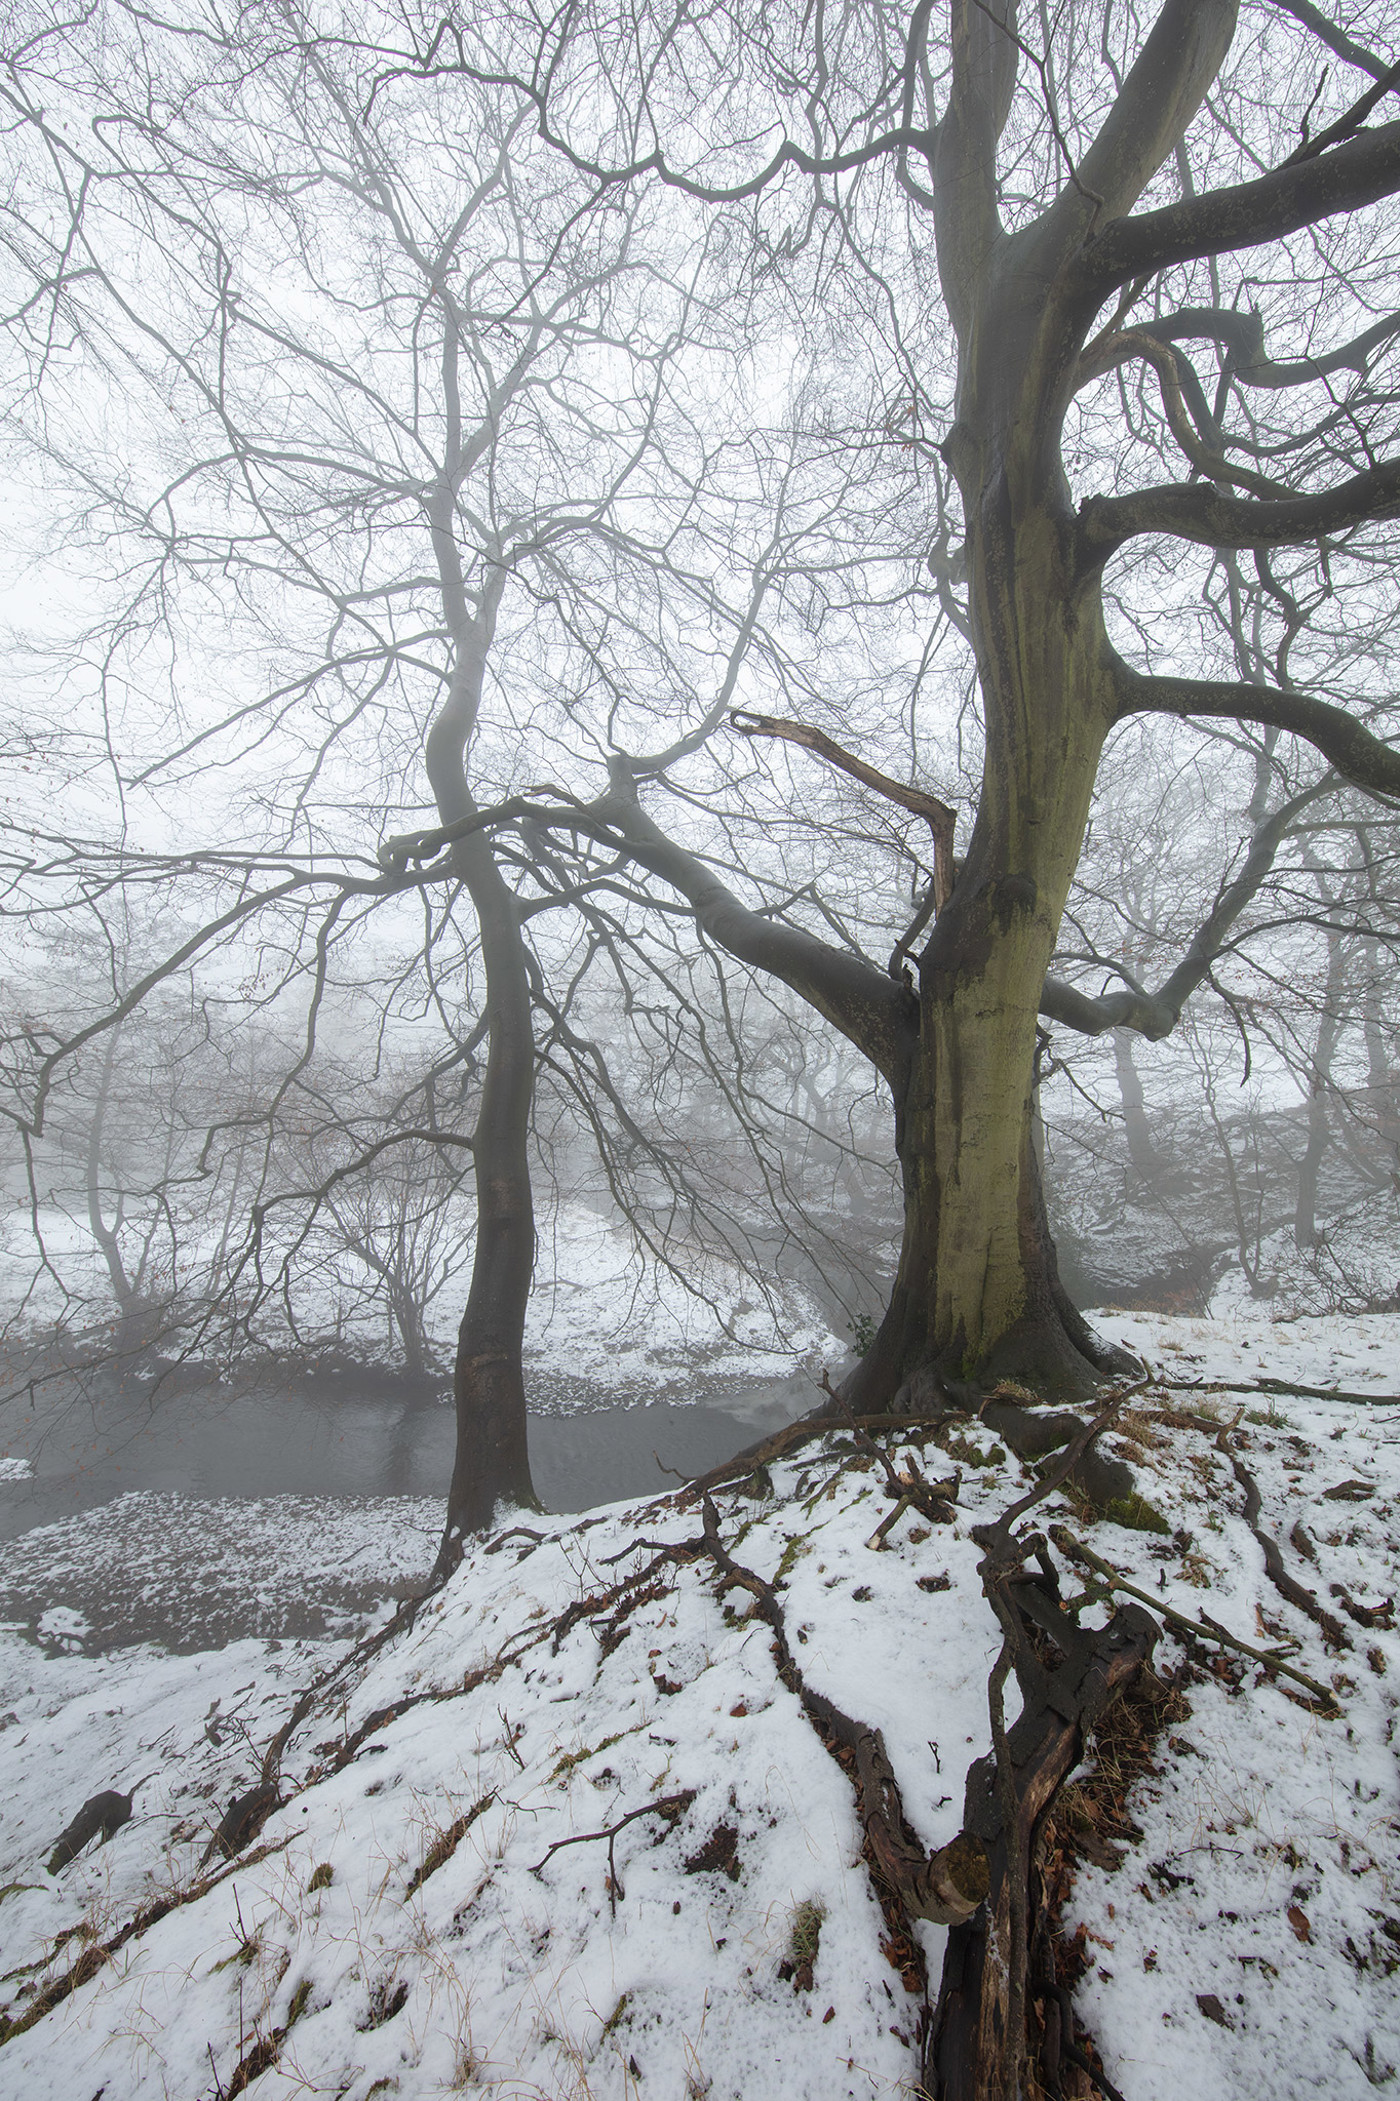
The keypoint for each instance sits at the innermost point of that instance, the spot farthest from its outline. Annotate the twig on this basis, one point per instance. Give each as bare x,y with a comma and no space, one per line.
670,1806
786,1440
1275,1386
932,1499
1203,1629
887,1524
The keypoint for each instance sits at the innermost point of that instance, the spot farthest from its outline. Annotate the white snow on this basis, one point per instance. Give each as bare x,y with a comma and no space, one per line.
524,1974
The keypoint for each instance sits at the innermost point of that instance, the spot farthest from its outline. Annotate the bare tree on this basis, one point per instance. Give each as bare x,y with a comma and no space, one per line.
1093,223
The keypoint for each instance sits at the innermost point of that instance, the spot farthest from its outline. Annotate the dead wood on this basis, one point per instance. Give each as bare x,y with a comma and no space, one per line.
978,2039
1333,1632
672,1807
1280,1386
242,1821
104,1813
1203,1629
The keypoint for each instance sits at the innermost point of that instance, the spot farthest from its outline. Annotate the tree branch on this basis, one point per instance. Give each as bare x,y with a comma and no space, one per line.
1242,333
1155,1014
939,816
1336,40
876,1014
1359,756
1361,171
1193,511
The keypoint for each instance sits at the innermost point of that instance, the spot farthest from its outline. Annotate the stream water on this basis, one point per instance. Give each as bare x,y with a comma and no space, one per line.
345,1439
292,1508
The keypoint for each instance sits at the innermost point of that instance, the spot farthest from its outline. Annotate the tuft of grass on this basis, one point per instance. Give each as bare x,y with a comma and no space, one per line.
804,1939
388,1998
618,2014
321,1877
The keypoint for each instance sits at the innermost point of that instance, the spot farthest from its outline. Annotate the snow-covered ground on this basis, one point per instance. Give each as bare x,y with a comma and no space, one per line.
603,1320
400,1925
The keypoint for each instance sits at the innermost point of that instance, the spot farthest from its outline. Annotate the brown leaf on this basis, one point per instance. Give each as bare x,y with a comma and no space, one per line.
1212,2009
1299,1921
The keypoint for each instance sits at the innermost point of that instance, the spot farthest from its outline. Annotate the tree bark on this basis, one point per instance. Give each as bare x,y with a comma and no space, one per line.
973,2054
977,1294
1136,1128
492,1463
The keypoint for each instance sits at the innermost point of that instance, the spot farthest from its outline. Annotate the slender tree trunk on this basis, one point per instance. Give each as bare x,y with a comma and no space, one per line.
1319,1093
492,1464
128,1335
1382,1094
1141,1150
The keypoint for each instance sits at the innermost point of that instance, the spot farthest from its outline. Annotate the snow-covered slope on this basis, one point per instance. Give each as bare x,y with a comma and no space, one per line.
408,1921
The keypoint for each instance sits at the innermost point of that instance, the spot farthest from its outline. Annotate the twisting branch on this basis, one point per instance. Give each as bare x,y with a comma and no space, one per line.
1361,757
1155,1014
1167,363
939,817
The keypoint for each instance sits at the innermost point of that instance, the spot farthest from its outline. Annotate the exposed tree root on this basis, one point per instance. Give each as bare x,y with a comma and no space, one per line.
944,1886
978,2047
1333,1632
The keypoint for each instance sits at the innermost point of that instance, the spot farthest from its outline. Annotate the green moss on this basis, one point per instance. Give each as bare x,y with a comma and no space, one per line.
804,1938
1135,1514
792,1554
571,1759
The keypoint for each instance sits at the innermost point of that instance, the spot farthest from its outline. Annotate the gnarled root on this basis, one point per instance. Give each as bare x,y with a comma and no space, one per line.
977,2046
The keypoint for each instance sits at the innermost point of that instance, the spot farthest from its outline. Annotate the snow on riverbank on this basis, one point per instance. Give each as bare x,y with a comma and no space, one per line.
401,1925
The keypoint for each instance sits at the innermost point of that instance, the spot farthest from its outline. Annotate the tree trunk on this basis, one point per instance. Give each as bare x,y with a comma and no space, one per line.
130,1332
977,1296
492,1464
1141,1150
1319,1096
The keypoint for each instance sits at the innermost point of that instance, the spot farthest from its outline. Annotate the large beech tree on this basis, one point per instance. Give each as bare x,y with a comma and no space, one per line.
1123,216
399,310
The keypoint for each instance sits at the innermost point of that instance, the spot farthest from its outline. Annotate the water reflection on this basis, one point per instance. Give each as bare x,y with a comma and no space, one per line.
309,1440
